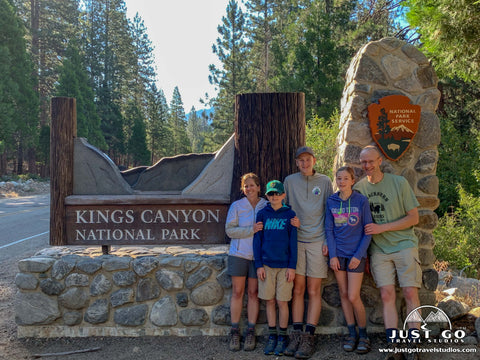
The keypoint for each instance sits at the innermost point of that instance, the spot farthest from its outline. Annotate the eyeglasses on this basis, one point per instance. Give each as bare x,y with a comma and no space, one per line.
368,162
273,193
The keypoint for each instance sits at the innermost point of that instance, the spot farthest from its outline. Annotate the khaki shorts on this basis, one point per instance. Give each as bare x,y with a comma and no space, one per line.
275,285
404,264
310,260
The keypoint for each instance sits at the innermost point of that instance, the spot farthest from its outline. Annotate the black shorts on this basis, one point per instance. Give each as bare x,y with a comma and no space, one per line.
344,265
238,266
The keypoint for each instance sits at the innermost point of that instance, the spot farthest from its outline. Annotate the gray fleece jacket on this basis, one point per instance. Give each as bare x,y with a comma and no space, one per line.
307,195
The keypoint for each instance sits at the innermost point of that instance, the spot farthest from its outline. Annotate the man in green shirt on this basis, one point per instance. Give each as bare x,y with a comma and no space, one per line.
394,247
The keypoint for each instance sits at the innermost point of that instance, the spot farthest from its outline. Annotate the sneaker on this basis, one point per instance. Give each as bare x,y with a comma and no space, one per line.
270,347
281,345
306,347
234,340
249,343
293,342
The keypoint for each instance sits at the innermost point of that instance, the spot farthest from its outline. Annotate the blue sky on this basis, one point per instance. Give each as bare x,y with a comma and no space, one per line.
183,32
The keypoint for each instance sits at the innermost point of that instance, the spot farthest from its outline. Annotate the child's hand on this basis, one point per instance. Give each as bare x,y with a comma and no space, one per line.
334,264
325,250
295,221
354,262
258,227
290,275
261,273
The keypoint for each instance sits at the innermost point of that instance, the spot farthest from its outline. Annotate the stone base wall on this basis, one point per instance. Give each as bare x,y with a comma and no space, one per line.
161,291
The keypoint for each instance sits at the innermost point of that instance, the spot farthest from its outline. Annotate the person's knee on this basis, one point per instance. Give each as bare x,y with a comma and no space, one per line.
388,294
282,304
410,294
238,292
354,298
314,290
299,290
270,302
253,292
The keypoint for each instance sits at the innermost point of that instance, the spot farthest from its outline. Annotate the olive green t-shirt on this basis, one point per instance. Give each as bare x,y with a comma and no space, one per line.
390,200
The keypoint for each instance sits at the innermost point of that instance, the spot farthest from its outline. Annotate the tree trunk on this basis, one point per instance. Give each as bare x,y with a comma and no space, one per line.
62,134
20,158
269,127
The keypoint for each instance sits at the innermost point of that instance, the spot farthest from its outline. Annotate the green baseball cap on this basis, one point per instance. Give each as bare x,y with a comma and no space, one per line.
275,186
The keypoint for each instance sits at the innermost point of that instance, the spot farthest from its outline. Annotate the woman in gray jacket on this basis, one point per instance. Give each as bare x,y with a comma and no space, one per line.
240,227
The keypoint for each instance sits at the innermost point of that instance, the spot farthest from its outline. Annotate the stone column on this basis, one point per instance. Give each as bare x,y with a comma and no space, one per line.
393,67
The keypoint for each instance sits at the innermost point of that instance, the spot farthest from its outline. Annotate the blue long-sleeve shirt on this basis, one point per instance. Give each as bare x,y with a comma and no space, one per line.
276,245
344,226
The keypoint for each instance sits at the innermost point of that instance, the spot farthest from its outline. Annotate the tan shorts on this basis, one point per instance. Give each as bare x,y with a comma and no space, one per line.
275,285
310,260
404,264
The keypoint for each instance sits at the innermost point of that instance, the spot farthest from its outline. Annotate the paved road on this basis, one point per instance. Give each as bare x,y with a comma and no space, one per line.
24,225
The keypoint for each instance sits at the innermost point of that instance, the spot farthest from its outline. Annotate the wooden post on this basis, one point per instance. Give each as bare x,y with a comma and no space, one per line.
62,133
269,127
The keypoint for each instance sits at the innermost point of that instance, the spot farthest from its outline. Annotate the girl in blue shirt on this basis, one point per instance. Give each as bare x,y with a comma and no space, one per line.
347,214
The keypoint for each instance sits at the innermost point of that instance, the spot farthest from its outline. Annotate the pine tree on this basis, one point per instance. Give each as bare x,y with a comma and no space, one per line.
110,56
73,82
317,57
195,132
159,135
137,143
178,124
143,72
18,101
232,78
450,30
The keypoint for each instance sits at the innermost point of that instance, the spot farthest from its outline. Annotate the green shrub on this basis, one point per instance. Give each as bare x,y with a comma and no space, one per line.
457,235
321,136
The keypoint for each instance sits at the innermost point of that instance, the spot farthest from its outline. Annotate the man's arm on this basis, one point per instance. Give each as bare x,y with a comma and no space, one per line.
410,219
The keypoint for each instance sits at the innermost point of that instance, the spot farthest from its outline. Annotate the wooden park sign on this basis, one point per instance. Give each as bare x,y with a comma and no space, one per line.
134,220
394,123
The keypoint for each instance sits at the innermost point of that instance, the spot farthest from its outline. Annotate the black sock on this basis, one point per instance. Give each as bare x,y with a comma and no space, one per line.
272,332
390,337
298,327
362,332
235,327
310,329
352,332
282,334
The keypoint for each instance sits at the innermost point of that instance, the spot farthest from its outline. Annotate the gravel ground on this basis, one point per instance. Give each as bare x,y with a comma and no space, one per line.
114,348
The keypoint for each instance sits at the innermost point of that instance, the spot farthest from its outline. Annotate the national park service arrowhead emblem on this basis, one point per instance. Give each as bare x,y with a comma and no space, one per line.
394,123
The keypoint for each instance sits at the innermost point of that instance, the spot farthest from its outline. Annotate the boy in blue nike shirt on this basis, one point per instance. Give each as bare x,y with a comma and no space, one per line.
275,253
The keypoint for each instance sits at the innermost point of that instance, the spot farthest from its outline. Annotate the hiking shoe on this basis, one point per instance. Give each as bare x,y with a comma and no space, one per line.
306,347
234,340
281,345
293,342
249,343
270,347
